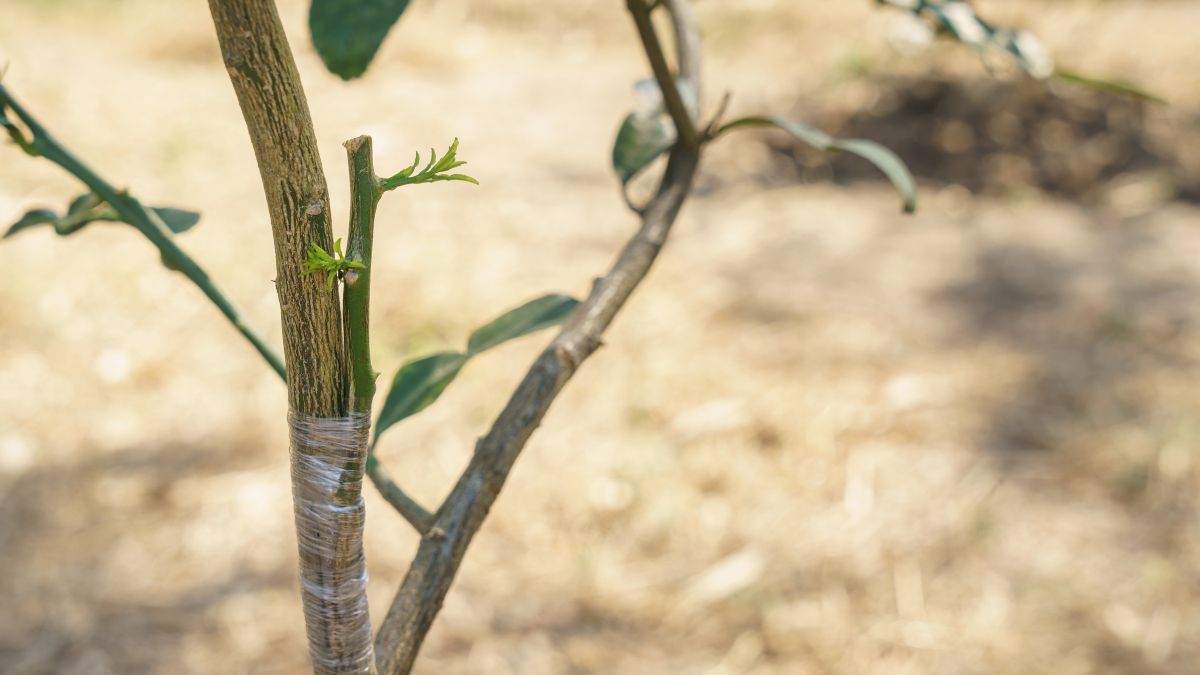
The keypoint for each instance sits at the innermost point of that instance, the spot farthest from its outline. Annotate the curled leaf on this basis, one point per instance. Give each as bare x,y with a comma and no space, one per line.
647,133
641,139
884,159
89,208
30,219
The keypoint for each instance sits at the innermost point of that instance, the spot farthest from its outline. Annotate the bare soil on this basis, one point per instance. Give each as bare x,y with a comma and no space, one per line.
823,438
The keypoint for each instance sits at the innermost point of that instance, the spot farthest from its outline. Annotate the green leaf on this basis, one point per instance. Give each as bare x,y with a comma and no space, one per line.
885,160
177,220
32,219
84,209
87,208
1119,87
348,33
642,138
648,132
546,311
434,171
333,265
418,384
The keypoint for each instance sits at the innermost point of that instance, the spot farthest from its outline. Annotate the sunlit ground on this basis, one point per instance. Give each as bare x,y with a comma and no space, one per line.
822,438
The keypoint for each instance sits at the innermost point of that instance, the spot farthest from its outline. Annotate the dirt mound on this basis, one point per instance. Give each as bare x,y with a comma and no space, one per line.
994,137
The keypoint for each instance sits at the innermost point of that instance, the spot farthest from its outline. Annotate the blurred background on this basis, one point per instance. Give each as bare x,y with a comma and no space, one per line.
823,437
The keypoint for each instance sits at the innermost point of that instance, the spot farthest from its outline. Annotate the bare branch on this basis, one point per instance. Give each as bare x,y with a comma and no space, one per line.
414,513
459,518
681,112
687,43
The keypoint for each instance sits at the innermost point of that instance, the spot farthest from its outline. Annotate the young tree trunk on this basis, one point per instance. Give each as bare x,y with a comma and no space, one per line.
328,441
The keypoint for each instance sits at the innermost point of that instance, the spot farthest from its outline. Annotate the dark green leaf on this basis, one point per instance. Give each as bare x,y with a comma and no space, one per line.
418,384
531,317
82,210
32,219
348,33
885,160
642,138
177,220
82,203
87,208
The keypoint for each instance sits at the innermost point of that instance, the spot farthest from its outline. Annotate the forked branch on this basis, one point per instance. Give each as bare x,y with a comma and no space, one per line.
460,516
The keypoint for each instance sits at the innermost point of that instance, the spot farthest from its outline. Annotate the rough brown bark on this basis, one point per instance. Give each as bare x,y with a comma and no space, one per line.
264,75
328,447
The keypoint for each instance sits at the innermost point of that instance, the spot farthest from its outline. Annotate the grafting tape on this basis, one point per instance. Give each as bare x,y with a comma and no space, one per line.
328,455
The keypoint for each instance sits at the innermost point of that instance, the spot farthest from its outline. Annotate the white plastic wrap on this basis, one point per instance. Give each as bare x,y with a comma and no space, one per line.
328,455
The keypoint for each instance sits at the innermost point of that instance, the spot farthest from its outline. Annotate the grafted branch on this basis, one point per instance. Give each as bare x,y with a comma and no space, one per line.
366,189
460,516
260,65
328,441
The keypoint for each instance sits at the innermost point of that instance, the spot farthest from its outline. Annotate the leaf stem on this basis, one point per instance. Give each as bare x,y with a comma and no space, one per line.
145,220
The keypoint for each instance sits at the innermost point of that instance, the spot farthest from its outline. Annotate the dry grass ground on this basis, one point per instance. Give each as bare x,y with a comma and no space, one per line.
824,438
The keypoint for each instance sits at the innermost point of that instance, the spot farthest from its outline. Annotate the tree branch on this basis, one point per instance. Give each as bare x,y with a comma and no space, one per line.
365,191
687,44
460,516
329,441
260,65
356,296
414,513
145,220
673,100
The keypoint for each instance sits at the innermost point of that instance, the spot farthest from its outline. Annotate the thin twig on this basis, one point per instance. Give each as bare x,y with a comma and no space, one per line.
406,506
686,31
145,220
713,126
679,111
462,513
